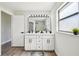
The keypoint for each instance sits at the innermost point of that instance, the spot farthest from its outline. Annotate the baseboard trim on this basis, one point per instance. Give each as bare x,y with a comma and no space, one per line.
5,42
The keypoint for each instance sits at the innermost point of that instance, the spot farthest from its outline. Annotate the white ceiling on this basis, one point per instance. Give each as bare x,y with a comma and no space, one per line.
23,6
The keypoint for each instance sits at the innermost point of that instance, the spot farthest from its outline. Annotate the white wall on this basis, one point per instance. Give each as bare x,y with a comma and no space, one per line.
5,28
53,21
53,16
67,44
0,31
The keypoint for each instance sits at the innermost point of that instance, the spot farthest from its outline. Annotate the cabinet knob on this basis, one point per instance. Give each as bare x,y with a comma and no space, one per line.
22,32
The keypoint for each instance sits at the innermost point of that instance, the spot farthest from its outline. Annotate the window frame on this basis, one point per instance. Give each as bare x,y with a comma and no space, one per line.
58,17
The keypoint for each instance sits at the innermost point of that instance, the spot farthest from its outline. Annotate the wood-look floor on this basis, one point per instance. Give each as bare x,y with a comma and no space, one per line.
7,50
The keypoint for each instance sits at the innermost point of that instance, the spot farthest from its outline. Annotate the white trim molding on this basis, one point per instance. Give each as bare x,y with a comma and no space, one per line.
2,43
0,31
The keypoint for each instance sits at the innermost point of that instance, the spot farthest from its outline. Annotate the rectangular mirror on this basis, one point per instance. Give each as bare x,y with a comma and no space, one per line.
39,24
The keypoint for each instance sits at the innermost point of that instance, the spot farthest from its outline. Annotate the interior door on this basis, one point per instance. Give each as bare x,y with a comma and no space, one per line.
17,30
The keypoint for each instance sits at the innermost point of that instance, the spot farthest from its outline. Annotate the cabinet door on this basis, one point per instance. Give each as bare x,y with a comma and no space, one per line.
45,44
27,44
48,44
51,44
33,44
17,29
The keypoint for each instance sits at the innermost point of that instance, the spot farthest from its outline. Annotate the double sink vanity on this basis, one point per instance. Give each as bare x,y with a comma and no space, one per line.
39,41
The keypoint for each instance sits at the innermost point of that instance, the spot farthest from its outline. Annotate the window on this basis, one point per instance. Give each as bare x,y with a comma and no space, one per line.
68,17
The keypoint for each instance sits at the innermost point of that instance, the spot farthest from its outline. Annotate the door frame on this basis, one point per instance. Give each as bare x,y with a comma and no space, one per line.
9,13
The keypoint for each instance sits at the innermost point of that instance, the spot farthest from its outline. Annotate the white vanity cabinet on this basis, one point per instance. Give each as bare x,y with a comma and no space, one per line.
39,42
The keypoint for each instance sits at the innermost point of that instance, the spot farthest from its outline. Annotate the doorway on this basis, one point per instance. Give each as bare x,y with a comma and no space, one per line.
5,32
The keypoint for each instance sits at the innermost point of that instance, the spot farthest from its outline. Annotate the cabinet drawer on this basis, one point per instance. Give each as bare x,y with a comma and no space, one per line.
40,36
30,37
46,37
39,40
39,43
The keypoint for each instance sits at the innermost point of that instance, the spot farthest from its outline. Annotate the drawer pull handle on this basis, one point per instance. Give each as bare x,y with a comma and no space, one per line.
48,41
30,40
